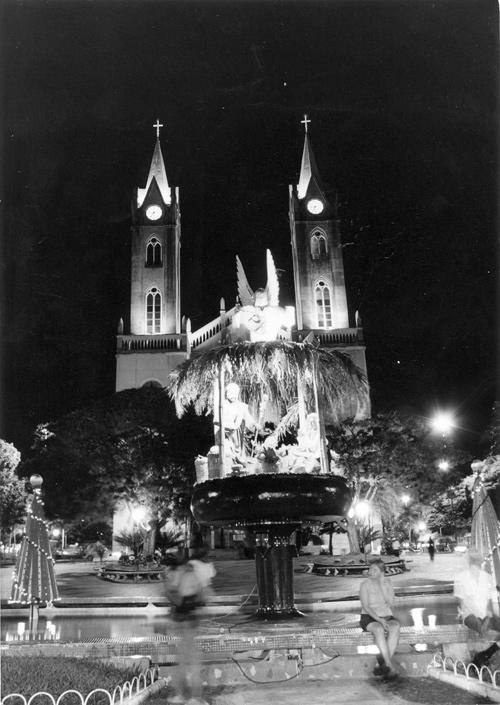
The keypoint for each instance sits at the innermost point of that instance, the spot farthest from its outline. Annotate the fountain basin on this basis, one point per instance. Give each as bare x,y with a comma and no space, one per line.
281,498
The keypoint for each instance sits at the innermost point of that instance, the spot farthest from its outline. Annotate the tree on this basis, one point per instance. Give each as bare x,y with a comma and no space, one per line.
389,454
12,494
128,447
134,540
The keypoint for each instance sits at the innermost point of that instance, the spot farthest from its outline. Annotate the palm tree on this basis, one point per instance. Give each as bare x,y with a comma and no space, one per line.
279,370
134,540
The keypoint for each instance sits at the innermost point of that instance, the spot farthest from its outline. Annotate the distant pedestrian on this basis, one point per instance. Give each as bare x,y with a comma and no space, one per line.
377,598
431,548
396,547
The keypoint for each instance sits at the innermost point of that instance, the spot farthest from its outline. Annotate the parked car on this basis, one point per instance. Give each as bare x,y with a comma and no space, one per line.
69,552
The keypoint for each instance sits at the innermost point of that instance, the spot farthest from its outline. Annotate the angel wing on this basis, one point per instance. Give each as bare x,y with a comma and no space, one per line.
272,286
245,292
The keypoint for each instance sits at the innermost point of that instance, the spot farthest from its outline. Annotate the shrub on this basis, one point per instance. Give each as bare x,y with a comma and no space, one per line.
28,675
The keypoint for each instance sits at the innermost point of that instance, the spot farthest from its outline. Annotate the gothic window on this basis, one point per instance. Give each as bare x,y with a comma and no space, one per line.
323,301
153,253
318,245
153,311
152,383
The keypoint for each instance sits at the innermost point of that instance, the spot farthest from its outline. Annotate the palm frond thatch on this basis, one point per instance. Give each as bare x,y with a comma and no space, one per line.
276,369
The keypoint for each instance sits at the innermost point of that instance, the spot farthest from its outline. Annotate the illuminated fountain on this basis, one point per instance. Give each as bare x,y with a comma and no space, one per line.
259,385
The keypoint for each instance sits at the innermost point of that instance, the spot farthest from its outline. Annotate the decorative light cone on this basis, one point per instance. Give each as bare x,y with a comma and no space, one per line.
34,580
485,532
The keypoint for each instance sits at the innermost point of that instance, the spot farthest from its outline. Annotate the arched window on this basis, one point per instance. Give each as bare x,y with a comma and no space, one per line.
153,253
153,311
323,301
318,245
152,383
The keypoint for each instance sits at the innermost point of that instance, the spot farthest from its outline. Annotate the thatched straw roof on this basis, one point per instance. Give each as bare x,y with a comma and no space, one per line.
275,369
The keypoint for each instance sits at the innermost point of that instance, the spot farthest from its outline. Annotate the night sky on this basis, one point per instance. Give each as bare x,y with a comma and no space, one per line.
403,102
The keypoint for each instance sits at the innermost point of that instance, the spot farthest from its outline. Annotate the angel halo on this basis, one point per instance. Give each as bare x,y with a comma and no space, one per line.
258,316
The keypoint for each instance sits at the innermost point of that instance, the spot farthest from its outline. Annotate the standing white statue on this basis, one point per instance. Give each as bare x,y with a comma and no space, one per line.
259,316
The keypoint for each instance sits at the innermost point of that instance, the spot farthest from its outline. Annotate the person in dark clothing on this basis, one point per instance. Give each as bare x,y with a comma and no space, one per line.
431,548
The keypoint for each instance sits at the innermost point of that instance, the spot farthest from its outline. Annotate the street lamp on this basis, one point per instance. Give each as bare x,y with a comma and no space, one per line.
442,422
138,514
444,465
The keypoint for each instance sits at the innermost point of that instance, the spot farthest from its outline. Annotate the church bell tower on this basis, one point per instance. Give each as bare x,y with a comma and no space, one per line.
155,343
318,267
156,234
320,294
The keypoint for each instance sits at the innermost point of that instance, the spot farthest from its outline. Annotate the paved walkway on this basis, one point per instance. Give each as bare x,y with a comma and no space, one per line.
238,578
344,691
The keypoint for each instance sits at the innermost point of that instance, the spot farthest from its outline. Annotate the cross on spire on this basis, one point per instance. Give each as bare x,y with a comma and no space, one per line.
305,122
158,125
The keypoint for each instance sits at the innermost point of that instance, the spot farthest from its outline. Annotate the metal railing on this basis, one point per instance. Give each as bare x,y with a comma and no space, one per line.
468,671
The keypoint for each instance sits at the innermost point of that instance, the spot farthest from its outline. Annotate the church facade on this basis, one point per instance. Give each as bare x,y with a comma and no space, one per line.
159,339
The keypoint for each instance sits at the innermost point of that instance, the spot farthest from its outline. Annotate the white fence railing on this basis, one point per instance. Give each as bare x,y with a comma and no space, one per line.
469,671
127,694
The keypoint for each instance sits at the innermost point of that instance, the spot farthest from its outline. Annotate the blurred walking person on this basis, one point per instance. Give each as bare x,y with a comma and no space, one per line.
188,586
431,548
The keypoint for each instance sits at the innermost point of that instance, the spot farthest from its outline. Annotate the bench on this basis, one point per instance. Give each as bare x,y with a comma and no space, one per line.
130,575
338,568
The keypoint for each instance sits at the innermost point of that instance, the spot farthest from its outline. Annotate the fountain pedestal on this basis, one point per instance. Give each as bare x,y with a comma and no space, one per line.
271,506
274,572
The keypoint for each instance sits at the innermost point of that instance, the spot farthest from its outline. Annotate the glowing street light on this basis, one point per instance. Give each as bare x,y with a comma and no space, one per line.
444,465
421,526
138,514
443,422
362,509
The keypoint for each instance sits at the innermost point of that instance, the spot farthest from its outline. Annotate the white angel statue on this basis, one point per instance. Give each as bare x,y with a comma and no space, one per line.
259,316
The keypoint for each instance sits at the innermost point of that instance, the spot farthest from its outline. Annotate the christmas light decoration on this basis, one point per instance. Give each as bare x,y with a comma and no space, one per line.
485,532
33,578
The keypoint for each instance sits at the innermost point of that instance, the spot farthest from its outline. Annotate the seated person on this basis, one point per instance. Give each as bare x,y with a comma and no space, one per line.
377,598
478,603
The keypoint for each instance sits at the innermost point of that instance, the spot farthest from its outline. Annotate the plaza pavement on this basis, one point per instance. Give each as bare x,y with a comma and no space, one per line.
237,577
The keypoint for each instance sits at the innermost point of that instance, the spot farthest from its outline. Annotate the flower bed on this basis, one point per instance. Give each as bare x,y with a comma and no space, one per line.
34,674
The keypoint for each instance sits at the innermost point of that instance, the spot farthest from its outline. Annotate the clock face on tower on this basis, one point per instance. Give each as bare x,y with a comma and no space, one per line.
153,212
315,206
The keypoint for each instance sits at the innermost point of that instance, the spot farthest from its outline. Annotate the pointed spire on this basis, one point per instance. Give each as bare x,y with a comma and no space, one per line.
308,166
157,171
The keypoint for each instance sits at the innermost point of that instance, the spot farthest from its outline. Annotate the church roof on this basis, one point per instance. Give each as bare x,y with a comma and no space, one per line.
157,172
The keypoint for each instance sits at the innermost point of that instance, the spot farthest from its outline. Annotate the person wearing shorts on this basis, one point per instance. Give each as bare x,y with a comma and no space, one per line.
377,598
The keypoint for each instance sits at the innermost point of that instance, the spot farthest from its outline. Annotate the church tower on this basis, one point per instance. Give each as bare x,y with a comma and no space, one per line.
155,344
320,294
318,267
